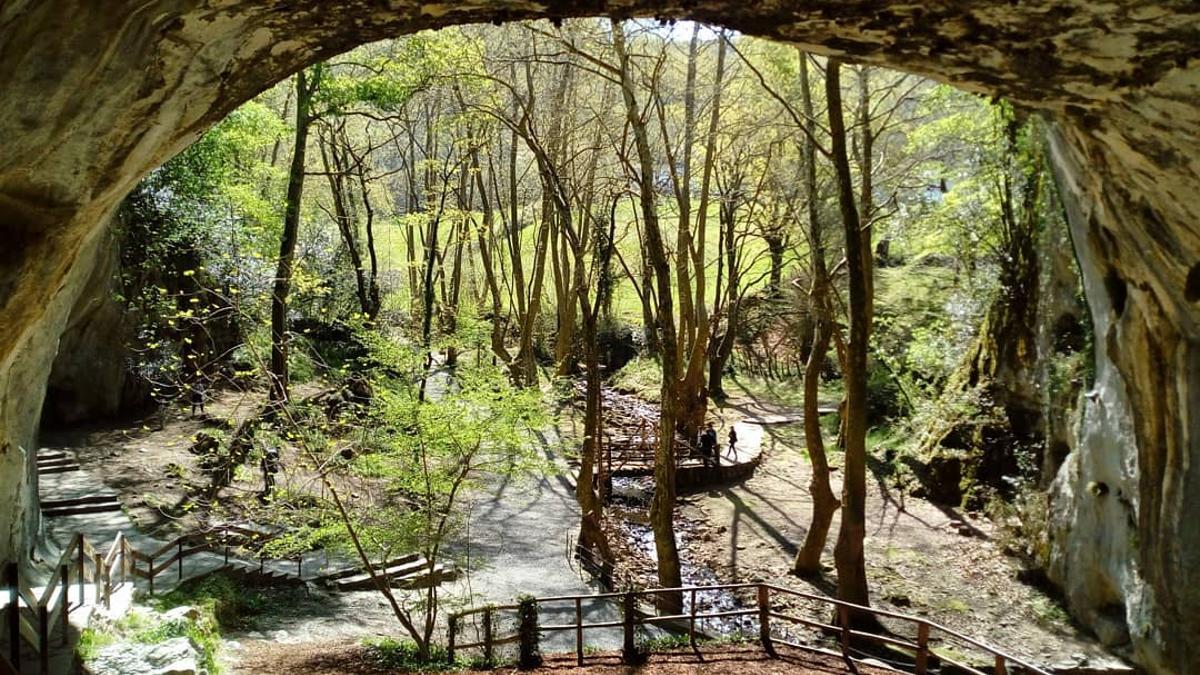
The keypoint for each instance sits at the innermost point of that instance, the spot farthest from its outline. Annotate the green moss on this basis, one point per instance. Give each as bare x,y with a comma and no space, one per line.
641,376
92,641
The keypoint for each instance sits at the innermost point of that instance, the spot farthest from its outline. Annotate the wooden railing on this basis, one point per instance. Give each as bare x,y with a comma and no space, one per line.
223,540
919,649
33,620
625,451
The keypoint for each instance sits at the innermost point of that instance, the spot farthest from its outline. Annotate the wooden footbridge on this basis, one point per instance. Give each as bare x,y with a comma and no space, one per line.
630,437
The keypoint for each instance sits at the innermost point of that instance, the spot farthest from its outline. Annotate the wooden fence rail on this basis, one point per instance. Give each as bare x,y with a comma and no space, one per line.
918,649
32,620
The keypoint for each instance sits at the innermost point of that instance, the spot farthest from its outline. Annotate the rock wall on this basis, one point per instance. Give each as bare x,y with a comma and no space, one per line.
90,378
98,93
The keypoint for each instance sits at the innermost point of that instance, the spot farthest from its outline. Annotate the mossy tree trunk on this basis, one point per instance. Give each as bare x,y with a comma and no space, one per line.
306,86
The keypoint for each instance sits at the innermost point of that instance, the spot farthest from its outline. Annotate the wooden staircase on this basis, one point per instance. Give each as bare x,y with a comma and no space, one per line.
65,491
409,571
78,505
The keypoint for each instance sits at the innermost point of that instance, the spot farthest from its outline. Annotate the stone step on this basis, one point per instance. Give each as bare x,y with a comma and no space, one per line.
92,507
49,455
398,575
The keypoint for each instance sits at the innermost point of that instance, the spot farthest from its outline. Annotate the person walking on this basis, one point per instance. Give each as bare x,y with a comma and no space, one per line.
270,466
196,397
732,444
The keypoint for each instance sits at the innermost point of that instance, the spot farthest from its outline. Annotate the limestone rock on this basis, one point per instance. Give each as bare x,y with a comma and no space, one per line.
176,656
90,378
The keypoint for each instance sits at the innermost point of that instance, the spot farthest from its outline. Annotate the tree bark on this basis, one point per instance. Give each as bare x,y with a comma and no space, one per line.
662,509
287,242
825,503
848,554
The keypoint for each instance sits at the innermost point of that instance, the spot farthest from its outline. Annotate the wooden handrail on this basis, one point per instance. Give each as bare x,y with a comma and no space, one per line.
920,649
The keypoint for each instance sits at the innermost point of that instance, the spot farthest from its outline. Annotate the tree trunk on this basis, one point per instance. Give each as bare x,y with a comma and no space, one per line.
287,242
662,509
334,158
848,554
825,503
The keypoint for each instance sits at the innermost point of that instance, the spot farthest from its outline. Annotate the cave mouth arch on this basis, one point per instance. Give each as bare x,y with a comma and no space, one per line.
99,94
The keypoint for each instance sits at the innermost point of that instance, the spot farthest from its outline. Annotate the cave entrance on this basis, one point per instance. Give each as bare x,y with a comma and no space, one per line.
97,95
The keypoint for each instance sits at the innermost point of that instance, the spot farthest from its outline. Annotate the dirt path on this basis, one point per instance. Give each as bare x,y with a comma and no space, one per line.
922,559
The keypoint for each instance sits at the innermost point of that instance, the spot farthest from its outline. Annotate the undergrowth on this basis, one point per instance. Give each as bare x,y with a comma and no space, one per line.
231,604
403,655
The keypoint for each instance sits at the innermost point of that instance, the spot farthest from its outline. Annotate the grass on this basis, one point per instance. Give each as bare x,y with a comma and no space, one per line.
91,641
955,605
1048,612
403,655
231,604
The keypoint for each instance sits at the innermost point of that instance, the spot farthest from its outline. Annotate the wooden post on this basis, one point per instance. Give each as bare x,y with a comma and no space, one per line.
451,628
922,648
529,656
43,631
629,649
80,569
844,619
180,560
64,570
12,578
579,631
1001,665
692,621
487,635
764,619
108,588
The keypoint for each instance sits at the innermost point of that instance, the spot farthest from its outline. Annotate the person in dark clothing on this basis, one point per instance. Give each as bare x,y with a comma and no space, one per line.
732,444
708,444
196,396
270,466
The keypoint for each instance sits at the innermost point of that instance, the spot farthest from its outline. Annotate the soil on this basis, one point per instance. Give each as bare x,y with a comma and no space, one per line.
347,658
160,482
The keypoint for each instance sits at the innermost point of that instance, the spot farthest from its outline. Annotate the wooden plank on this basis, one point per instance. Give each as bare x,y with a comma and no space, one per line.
397,574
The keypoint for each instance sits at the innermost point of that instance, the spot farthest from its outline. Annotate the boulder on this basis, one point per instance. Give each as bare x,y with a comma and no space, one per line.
175,656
